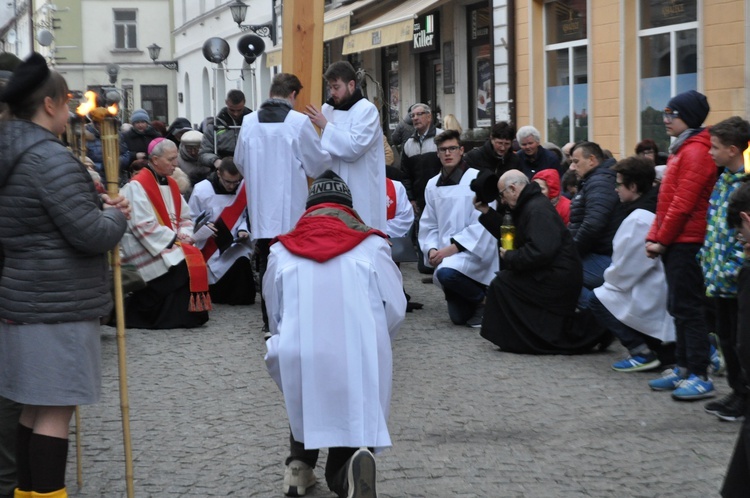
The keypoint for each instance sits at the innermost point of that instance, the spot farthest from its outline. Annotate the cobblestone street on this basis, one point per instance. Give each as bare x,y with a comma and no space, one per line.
466,421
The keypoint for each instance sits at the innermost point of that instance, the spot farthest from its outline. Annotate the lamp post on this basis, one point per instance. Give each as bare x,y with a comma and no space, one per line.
239,10
153,52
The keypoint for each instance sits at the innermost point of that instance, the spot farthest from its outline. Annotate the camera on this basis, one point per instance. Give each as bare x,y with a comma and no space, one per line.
485,186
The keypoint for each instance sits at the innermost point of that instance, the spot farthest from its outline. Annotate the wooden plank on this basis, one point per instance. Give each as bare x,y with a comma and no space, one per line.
302,52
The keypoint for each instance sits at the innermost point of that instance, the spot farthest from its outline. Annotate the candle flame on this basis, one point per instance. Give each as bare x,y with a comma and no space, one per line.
88,105
112,109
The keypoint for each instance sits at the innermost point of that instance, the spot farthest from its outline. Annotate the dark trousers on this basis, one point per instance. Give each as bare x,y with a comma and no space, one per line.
685,304
263,249
737,479
335,465
10,412
726,330
462,293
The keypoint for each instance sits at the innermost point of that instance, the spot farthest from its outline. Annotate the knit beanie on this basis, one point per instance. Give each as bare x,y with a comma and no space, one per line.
329,187
691,107
139,115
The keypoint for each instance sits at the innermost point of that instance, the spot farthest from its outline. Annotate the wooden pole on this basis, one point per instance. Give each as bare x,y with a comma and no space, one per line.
302,52
111,159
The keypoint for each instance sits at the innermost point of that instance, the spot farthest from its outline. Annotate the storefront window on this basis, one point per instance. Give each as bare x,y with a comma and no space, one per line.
669,60
567,71
390,76
478,17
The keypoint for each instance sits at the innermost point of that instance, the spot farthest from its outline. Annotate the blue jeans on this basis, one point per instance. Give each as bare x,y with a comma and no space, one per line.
633,340
685,303
462,293
593,276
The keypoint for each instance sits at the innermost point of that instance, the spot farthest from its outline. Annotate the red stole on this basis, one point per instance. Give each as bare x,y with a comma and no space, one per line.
390,194
200,300
229,215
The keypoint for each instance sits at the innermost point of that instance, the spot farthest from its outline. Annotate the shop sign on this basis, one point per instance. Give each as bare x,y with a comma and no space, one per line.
427,33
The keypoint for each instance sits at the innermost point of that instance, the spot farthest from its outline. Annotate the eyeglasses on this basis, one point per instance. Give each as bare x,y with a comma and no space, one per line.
418,114
670,114
230,183
502,192
618,185
451,149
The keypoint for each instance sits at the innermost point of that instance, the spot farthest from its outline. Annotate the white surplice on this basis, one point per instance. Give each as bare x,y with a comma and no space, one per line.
146,243
399,225
355,140
204,198
635,287
275,159
449,213
330,352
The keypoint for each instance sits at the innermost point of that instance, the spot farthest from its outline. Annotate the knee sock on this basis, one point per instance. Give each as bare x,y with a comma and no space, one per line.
23,466
48,457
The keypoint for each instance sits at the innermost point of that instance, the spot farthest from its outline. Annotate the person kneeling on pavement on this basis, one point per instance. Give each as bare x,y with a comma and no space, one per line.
632,302
335,301
531,303
453,241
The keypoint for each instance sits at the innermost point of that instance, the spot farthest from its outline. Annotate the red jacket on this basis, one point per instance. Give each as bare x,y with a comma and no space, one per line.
685,190
552,178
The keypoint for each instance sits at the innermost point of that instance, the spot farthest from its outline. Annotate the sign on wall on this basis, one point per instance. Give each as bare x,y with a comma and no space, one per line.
427,33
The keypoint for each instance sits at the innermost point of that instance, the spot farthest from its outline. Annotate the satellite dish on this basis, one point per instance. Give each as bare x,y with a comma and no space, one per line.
44,37
251,46
216,50
12,36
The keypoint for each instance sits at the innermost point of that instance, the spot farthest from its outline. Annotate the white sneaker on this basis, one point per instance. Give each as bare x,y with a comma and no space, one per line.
298,478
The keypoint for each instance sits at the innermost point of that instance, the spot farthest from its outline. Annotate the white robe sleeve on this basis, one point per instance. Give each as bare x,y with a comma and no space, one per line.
429,232
401,223
391,289
629,260
475,238
272,297
350,141
314,159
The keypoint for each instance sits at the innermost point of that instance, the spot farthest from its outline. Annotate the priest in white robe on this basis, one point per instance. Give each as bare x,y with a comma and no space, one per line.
334,305
158,242
227,250
454,242
277,150
353,136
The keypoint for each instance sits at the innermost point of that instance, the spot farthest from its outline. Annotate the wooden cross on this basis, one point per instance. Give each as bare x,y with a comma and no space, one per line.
302,52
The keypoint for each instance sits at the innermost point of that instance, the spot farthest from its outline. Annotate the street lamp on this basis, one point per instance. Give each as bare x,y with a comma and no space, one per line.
153,52
239,10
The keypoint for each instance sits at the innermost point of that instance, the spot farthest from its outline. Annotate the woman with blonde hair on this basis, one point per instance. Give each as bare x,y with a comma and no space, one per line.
451,123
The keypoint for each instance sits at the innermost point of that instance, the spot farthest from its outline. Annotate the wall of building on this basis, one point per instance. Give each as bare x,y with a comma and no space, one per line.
613,62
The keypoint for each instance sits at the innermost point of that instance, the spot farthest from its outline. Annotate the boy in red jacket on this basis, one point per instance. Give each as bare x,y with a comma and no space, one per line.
677,235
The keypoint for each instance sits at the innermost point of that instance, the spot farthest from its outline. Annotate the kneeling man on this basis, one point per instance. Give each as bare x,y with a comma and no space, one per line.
531,303
334,301
453,241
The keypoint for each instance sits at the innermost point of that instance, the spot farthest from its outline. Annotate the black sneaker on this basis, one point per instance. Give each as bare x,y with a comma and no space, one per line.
730,408
266,332
475,321
361,475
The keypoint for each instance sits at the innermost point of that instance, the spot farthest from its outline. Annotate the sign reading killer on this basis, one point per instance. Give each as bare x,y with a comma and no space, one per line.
427,33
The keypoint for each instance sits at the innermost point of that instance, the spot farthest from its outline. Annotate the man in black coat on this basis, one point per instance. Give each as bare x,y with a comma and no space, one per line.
530,305
497,153
595,214
533,156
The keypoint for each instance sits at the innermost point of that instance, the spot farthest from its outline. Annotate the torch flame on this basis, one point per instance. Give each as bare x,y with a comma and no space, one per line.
112,109
87,106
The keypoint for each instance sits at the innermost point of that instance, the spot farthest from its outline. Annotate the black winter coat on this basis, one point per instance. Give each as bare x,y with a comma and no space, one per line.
544,159
53,231
484,157
596,211
138,141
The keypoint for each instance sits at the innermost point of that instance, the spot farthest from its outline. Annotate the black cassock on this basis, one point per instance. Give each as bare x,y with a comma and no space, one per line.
531,303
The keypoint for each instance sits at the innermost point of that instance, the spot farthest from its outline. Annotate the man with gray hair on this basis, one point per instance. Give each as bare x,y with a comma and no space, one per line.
533,156
531,302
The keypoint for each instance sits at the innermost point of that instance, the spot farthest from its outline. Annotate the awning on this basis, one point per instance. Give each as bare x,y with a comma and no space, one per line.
393,27
337,21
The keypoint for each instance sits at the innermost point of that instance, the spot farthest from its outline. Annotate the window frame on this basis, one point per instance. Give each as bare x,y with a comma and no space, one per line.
570,46
125,24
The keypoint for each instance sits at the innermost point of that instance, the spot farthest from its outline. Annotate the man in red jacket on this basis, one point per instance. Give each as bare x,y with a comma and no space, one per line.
677,235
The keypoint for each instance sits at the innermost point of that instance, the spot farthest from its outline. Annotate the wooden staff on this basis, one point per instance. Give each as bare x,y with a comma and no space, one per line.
110,152
83,138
